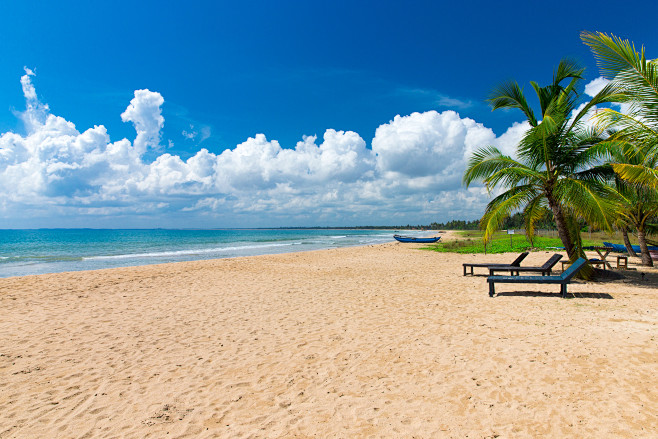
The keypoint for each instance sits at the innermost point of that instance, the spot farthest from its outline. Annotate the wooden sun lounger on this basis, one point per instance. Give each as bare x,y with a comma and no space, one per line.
516,263
545,269
562,279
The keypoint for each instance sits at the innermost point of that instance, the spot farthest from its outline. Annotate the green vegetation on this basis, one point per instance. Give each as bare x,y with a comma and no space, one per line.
500,243
457,225
515,221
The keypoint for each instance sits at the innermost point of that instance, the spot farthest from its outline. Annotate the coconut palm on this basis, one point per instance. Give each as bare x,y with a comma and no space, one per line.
634,81
556,165
637,203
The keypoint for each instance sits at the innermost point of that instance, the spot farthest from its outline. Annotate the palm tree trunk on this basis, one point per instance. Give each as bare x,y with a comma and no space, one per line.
561,224
644,249
627,242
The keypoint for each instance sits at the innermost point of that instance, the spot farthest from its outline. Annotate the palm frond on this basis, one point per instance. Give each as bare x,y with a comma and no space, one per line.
533,212
609,93
502,206
619,61
631,126
567,68
637,174
589,199
510,95
485,162
602,174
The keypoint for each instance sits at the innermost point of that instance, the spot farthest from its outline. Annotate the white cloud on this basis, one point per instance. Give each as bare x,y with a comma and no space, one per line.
508,141
428,149
595,86
189,135
146,115
412,173
28,89
36,112
259,164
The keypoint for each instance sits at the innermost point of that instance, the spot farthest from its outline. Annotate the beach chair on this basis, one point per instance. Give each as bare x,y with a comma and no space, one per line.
545,269
562,279
515,263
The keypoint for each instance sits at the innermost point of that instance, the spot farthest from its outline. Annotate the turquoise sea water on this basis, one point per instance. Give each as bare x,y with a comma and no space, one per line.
24,252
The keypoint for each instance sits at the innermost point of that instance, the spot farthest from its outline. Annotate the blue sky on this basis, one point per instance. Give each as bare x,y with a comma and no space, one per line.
278,104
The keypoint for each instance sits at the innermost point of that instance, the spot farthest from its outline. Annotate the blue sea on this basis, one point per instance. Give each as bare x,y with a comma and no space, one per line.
24,252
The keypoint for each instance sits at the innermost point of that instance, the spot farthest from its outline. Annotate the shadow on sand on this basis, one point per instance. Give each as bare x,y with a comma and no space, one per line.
559,295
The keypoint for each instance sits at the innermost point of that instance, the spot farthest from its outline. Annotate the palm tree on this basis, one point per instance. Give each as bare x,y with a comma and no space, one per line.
556,166
637,203
634,82
627,241
638,207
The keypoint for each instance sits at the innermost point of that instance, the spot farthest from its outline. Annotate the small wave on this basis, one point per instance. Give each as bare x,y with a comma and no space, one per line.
38,259
338,237
188,252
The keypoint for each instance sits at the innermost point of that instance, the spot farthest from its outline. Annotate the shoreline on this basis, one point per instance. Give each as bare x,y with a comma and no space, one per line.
381,340
43,252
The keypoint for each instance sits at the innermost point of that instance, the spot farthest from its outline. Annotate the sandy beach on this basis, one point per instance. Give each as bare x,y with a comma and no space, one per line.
380,341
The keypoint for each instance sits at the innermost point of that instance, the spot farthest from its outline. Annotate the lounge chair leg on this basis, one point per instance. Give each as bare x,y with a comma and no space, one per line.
492,291
563,290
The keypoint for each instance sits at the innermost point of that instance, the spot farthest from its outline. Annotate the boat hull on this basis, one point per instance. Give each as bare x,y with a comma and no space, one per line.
414,239
622,248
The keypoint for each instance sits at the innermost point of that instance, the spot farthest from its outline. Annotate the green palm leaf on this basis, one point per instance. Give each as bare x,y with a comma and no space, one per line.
510,95
637,173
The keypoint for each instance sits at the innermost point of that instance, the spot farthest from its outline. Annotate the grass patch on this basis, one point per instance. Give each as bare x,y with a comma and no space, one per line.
472,243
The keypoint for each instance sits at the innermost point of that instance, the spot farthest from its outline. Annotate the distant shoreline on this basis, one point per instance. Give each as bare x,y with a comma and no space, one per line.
238,228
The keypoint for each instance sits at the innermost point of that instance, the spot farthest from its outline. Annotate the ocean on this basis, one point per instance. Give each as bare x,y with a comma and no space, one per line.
25,252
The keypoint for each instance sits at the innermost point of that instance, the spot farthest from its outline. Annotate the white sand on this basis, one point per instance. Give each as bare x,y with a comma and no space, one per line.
380,341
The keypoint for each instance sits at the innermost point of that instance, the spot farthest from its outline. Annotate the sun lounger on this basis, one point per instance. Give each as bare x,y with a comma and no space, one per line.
545,269
516,263
562,279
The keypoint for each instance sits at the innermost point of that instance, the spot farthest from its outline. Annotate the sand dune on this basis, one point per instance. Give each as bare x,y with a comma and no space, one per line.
379,341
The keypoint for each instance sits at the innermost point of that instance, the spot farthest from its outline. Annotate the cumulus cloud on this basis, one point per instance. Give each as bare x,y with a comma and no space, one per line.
145,113
428,150
413,169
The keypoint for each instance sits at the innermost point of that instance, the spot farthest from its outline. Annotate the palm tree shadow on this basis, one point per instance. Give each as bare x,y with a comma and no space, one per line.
635,278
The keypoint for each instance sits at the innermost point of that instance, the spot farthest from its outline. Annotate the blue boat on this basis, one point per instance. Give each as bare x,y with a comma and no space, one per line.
414,239
621,248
